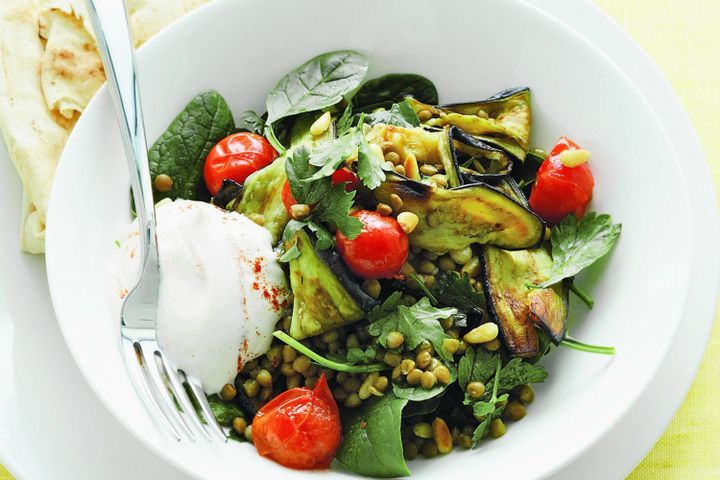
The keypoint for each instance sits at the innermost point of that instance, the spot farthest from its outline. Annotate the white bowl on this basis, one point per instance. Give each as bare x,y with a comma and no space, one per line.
471,49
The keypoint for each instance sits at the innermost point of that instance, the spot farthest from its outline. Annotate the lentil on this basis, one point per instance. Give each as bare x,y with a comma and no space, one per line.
264,378
396,373
441,180
464,441
428,380
423,359
461,256
476,389
392,359
163,183
410,451
497,428
228,392
299,211
352,401
525,394
311,381
400,169
239,424
395,202
384,209
427,267
395,339
265,393
428,170
301,363
352,341
413,378
442,373
406,366
248,434
514,411
446,264
492,345
451,345
372,288
386,146
429,449
392,157
381,383
275,356
424,115
251,387
293,381
352,384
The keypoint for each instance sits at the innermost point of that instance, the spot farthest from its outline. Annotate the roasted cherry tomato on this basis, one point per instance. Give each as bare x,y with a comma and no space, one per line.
559,189
379,251
340,176
300,428
235,157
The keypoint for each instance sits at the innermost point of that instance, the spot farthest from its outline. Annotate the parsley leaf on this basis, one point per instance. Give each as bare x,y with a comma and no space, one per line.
417,323
477,365
299,170
517,372
251,122
370,164
330,155
386,308
334,208
400,114
453,289
486,411
576,245
355,356
345,122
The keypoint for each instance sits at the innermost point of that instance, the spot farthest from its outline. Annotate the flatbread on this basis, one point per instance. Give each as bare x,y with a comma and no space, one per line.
49,71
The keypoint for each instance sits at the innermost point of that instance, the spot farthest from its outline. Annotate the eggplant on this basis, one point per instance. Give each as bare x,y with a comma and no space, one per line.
452,219
351,284
229,194
321,302
516,306
503,120
479,160
431,146
262,196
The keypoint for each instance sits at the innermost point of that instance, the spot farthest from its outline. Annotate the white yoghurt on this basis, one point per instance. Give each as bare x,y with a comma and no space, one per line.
221,292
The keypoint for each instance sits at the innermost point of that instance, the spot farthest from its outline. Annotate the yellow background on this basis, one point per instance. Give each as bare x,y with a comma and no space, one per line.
682,37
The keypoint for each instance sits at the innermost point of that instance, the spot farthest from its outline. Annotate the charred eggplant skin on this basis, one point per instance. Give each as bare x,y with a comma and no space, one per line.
464,142
452,219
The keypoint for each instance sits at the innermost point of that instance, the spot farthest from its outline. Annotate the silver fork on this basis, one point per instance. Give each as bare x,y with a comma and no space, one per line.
165,391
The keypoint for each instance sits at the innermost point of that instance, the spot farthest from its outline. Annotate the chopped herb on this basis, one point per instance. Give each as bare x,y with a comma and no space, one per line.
117,243
421,283
487,411
454,290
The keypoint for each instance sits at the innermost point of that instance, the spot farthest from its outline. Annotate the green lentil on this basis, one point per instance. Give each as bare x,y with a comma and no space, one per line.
407,365
301,363
248,434
293,381
352,341
464,441
330,336
311,381
428,170
525,394
428,380
497,428
413,378
264,378
239,424
493,345
476,389
446,264
429,449
423,359
395,339
423,430
442,373
372,288
410,451
352,401
381,383
251,387
514,411
275,356
265,393
287,369
339,393
228,392
392,359
352,384
396,373
426,346
451,345
289,354
447,323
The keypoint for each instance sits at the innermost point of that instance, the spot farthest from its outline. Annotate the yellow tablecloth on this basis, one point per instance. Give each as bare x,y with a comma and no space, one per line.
682,37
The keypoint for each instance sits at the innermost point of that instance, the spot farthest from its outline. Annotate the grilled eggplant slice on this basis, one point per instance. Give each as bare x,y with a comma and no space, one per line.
321,302
481,162
433,147
516,306
502,120
261,195
452,219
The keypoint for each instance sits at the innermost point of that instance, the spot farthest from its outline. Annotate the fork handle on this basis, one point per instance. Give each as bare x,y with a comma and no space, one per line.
110,21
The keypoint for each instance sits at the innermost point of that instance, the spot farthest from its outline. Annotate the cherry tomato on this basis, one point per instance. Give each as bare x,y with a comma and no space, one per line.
235,157
379,251
560,190
300,428
345,175
340,176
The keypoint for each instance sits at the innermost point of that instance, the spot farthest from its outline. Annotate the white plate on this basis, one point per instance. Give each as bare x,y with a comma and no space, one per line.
75,449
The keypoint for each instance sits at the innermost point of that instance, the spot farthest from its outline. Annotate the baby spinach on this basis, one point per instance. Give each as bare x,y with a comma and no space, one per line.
578,244
250,121
319,83
181,150
394,87
400,114
372,444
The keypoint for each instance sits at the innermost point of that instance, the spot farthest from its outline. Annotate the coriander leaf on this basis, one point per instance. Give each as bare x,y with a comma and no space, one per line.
421,284
417,323
453,289
400,114
386,308
577,245
324,238
370,164
358,355
181,150
334,207
298,170
319,83
477,365
330,155
345,122
518,372
289,254
490,411
251,122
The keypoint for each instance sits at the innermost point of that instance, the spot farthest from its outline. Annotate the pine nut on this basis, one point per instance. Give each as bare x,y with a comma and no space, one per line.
321,125
408,221
441,435
411,167
395,202
300,211
424,115
482,334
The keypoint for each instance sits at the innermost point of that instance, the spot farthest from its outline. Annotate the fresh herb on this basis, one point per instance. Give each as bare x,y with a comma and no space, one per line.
392,88
400,114
290,254
417,323
331,203
582,295
519,372
477,365
355,356
181,150
319,83
577,245
372,443
224,412
386,308
370,164
453,289
345,122
330,155
117,243
250,121
487,411
570,342
325,362
421,284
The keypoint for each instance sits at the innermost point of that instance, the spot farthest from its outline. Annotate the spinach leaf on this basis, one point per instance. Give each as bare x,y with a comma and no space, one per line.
394,87
250,121
417,323
224,411
181,150
453,289
422,407
372,444
319,83
400,114
576,245
477,365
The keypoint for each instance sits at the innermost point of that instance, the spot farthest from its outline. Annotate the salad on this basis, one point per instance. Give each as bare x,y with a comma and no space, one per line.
363,274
